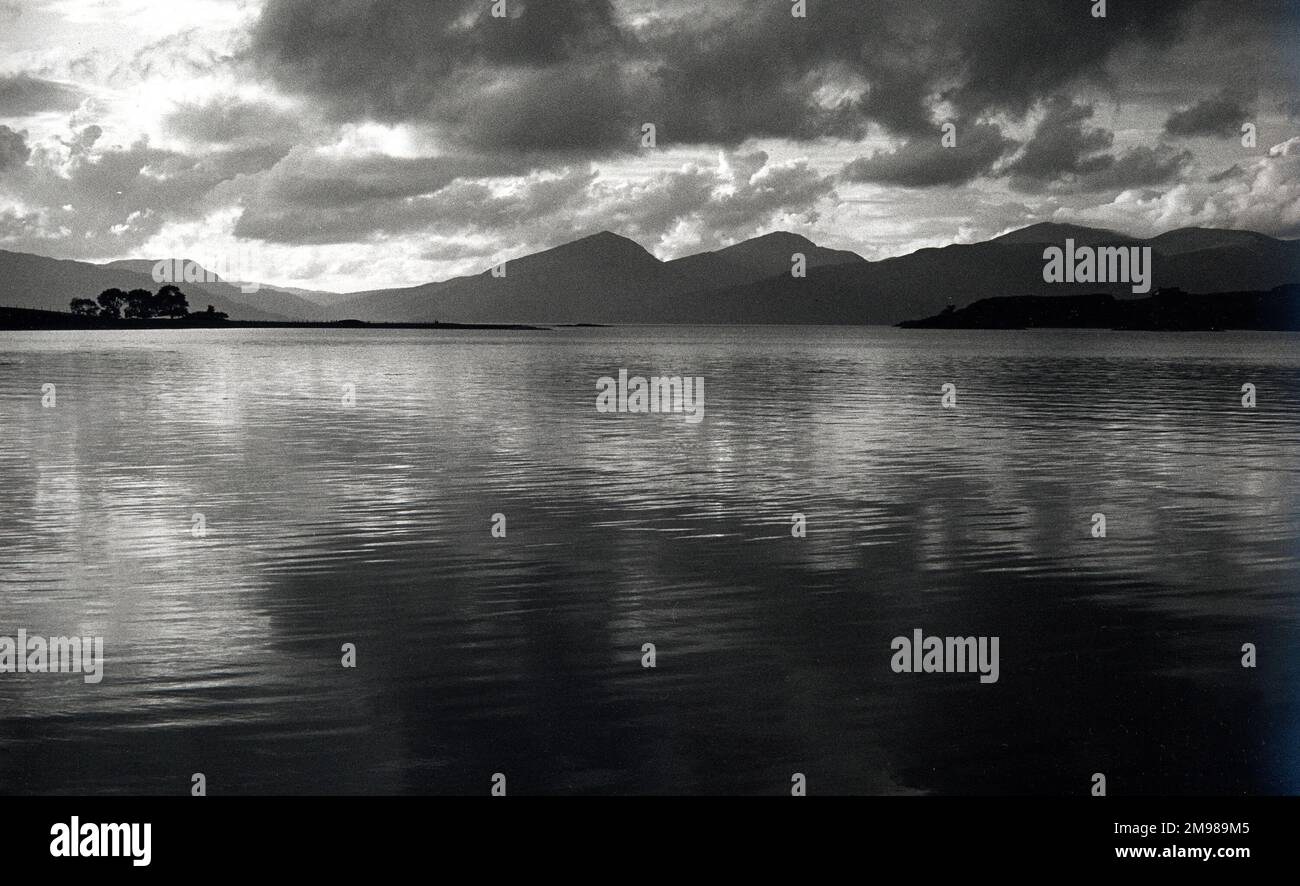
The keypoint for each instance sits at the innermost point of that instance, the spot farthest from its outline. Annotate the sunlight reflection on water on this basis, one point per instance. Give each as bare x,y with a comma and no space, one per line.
370,524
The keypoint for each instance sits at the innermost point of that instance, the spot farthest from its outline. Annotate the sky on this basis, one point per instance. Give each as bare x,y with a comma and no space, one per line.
362,144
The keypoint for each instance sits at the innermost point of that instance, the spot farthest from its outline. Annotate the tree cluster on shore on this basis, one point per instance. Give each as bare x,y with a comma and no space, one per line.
139,304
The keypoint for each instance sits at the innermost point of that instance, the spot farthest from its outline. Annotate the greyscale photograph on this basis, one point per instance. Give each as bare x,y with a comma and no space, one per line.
648,397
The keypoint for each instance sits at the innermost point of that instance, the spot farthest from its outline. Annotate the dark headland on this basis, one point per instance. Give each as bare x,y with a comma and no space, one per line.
1172,310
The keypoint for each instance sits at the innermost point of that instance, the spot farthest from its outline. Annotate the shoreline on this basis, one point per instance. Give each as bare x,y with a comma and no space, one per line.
35,320
31,320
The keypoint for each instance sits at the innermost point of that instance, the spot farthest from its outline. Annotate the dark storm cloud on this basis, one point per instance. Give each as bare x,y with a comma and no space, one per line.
23,94
1062,144
232,121
13,148
1066,153
441,202
578,75
1232,172
1219,117
362,199
753,71
1136,168
1015,52
307,198
306,180
542,77
925,162
559,109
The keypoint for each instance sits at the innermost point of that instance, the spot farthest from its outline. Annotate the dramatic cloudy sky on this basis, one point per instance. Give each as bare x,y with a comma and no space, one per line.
355,144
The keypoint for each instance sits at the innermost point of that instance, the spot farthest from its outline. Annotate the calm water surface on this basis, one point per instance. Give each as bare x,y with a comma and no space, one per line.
370,524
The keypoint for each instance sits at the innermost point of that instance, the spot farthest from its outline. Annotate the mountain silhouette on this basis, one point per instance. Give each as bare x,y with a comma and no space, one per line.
752,260
608,278
1053,233
603,278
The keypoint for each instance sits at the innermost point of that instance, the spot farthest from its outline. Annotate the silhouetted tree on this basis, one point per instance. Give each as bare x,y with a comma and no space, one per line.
141,305
171,302
111,302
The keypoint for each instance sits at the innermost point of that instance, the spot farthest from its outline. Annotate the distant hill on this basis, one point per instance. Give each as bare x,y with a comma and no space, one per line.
603,278
1052,233
1176,242
267,298
316,296
1168,310
40,283
1184,240
771,255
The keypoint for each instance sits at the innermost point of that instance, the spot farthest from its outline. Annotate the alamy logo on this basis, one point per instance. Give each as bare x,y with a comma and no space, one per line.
90,840
920,654
1100,264
660,394
57,655
238,268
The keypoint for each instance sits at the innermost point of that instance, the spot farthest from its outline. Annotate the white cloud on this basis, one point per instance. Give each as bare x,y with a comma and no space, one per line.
1265,197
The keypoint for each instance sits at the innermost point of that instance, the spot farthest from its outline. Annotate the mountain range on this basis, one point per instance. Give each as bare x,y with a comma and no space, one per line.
606,278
